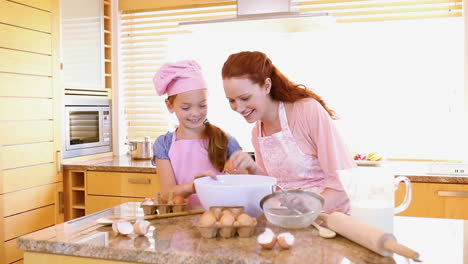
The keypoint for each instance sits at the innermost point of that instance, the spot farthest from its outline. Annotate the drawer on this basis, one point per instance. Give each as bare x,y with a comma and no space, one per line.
425,202
12,253
24,200
97,203
28,177
455,198
436,200
27,222
122,184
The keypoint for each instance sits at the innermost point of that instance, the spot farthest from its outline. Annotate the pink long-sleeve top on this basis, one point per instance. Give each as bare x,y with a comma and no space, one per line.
317,136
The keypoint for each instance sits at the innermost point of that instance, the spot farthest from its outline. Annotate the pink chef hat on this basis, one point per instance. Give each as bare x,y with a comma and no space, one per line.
178,77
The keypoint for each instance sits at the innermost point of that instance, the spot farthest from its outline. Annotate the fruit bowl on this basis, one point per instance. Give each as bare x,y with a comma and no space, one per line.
234,190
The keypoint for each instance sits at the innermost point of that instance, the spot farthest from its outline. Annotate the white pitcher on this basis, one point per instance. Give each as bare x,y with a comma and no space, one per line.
372,194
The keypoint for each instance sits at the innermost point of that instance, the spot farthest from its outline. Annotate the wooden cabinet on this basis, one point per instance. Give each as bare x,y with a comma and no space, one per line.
437,200
125,184
87,192
30,121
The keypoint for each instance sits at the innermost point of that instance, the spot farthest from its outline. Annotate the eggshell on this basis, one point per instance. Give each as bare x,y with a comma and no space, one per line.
285,240
267,239
141,227
207,219
124,227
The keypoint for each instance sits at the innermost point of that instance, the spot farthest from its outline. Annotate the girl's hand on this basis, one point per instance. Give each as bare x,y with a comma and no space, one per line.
207,173
242,162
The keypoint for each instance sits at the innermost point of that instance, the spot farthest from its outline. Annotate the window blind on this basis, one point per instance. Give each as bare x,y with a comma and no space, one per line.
145,35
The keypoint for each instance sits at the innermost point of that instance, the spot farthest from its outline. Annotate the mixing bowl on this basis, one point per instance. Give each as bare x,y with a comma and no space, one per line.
234,190
293,208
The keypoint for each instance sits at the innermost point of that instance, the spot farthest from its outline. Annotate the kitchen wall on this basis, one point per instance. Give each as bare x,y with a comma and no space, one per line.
397,85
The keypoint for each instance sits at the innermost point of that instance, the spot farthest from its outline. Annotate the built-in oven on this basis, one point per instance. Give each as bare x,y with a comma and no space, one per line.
87,126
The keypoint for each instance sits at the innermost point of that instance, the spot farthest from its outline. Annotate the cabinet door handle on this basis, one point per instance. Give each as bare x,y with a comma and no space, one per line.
139,181
58,161
452,194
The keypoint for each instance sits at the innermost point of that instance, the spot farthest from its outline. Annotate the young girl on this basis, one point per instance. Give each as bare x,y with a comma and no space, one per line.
195,145
294,137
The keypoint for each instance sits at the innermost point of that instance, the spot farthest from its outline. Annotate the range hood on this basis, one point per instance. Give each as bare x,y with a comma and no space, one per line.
267,13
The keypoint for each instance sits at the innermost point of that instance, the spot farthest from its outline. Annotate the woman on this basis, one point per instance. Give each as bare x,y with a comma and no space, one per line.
294,137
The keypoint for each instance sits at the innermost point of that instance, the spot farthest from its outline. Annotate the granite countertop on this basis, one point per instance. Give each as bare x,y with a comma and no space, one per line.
177,240
124,163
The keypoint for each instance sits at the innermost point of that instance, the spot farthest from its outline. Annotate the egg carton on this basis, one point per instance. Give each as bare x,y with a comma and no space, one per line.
161,206
228,231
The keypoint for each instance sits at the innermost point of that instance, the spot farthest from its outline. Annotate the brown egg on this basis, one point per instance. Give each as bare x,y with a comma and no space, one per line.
225,211
229,168
207,219
245,220
227,219
178,199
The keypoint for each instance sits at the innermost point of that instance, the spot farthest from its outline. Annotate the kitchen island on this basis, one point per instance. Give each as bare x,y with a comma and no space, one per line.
177,240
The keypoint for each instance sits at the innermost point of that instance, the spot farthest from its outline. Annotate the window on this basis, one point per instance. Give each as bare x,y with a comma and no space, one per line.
397,92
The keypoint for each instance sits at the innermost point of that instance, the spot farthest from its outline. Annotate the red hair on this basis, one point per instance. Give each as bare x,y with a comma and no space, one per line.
256,66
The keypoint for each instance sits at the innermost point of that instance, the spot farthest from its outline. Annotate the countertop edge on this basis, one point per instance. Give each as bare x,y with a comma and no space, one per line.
108,168
119,254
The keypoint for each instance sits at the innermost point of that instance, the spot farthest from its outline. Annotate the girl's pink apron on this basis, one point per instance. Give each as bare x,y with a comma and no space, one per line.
189,156
286,161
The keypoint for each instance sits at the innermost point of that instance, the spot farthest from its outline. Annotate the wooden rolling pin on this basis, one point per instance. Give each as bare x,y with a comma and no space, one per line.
366,235
156,216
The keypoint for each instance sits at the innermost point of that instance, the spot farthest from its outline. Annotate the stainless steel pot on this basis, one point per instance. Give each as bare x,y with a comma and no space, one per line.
141,149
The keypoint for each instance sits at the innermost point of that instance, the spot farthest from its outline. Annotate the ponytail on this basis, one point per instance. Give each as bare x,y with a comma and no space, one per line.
217,145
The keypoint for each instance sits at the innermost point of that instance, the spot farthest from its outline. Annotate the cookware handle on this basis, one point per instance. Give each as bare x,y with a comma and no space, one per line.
409,193
139,181
132,146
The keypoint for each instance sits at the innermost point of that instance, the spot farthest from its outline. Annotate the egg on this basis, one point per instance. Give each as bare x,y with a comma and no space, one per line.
169,199
285,240
148,201
178,199
157,198
141,227
267,239
207,219
245,220
227,219
229,168
217,211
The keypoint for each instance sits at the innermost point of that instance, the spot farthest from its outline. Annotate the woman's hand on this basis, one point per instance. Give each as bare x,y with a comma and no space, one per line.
241,162
335,201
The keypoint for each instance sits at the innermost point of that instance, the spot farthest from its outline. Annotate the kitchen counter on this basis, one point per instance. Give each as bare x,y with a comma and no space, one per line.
176,240
124,163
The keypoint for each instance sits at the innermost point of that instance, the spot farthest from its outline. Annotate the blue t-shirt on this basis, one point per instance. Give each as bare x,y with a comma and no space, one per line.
163,143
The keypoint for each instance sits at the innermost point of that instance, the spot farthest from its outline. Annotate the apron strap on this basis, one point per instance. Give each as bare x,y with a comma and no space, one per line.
282,116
